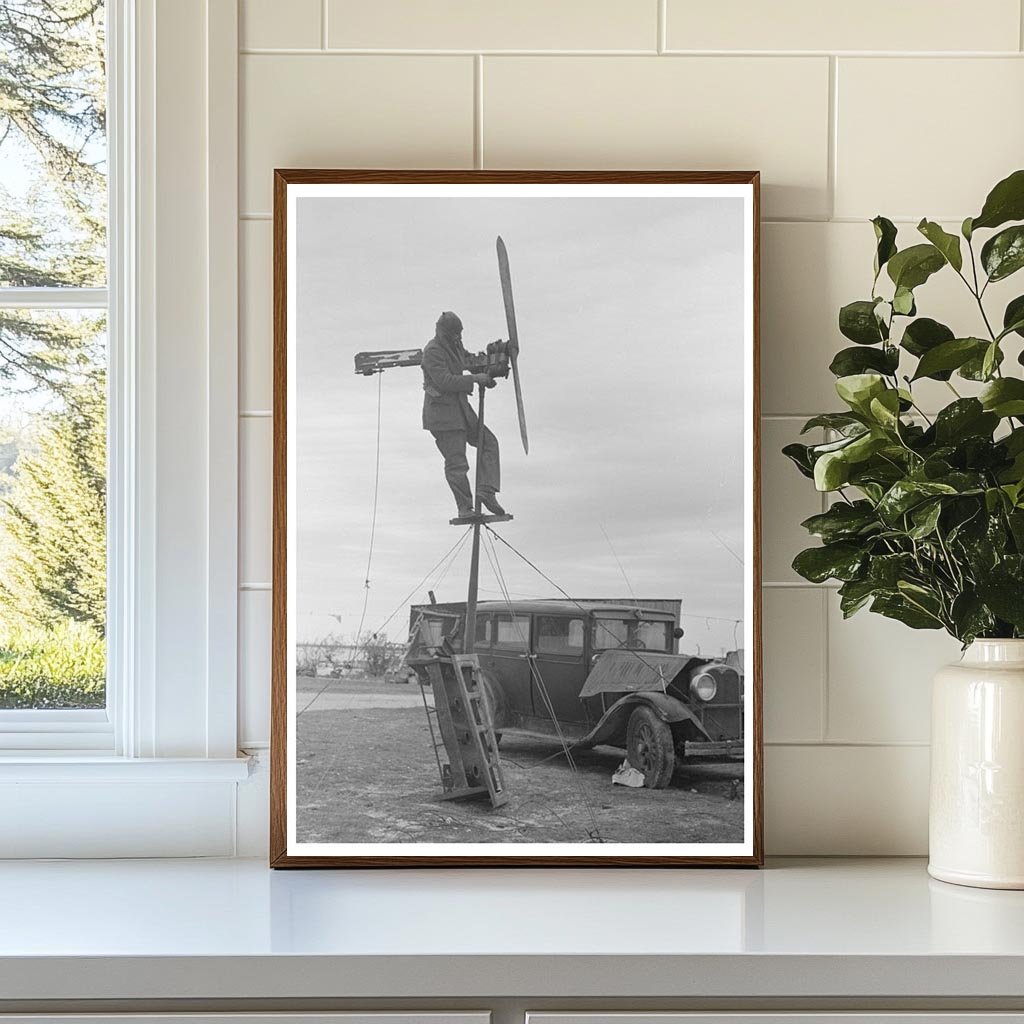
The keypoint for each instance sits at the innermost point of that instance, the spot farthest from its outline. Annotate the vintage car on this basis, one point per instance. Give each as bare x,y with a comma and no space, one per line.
608,674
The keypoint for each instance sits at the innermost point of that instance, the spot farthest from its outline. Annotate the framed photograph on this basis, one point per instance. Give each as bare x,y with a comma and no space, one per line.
516,611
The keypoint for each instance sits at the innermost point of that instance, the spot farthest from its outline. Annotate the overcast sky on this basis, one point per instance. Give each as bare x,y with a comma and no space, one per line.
630,316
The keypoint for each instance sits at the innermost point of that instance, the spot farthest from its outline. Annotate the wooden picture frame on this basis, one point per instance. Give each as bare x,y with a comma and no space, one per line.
287,848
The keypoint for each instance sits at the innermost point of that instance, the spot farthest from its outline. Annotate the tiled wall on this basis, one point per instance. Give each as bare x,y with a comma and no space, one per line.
907,109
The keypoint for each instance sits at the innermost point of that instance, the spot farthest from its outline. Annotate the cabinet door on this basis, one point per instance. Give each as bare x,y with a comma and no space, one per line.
361,1017
784,1017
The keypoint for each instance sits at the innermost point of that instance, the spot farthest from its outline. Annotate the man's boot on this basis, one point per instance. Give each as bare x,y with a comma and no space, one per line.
490,502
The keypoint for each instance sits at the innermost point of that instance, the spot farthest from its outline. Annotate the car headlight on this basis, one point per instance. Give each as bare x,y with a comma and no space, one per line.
704,686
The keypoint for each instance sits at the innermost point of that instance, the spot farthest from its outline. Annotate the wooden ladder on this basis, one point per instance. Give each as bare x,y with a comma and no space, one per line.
473,766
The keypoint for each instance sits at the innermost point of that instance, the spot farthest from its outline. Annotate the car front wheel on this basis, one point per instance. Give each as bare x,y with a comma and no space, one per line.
650,748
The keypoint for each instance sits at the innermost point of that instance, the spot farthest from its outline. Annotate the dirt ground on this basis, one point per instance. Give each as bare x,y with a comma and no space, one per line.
366,773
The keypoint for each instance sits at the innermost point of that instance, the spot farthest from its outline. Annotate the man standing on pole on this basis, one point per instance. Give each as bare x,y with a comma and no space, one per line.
448,415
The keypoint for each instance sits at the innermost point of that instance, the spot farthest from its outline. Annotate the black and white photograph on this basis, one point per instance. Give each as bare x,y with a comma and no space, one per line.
515,519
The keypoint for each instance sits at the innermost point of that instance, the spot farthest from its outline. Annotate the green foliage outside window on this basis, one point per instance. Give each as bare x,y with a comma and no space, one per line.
52,364
927,521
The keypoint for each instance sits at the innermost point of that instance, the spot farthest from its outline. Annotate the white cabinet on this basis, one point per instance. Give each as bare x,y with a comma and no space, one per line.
784,1017
367,1017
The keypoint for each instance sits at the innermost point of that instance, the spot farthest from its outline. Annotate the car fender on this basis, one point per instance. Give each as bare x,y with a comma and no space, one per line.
612,726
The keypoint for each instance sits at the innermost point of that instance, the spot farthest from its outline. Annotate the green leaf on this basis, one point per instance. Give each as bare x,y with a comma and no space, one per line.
947,244
911,267
950,355
1003,593
990,360
1003,254
887,570
885,237
970,617
925,518
799,455
885,409
817,450
1005,202
903,302
906,494
964,418
857,321
1013,316
866,445
849,361
831,471
897,607
923,335
841,421
974,368
965,229
1004,397
854,595
858,389
840,561
842,521
964,481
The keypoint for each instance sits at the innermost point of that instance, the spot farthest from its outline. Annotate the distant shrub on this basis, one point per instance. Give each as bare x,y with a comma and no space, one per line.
60,667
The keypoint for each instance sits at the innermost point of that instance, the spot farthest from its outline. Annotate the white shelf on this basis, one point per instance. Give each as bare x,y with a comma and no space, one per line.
222,929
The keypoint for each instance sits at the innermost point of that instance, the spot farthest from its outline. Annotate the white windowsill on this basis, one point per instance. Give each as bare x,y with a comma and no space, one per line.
77,766
233,930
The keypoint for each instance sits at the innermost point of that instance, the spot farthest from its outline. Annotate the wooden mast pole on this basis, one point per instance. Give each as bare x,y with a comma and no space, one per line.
469,639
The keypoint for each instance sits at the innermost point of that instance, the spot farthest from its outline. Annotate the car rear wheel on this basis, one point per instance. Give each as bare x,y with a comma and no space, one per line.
650,748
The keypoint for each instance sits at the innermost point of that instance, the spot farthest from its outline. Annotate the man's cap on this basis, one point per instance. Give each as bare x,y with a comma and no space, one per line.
448,322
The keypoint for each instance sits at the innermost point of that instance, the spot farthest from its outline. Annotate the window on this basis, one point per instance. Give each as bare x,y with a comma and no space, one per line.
653,635
53,355
169,288
644,633
483,632
513,632
559,635
610,633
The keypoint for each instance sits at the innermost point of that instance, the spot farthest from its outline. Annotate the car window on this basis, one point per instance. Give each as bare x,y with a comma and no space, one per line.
512,632
559,635
653,635
610,633
483,631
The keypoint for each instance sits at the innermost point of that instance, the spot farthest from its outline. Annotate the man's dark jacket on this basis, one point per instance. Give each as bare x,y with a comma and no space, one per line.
446,389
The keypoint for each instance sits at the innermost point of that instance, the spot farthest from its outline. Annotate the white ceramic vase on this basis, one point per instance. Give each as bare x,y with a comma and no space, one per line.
976,817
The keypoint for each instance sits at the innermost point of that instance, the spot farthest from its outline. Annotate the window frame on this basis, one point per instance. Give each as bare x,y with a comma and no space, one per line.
60,730
160,219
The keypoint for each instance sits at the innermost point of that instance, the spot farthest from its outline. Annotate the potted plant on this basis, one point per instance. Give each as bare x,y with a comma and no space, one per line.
926,524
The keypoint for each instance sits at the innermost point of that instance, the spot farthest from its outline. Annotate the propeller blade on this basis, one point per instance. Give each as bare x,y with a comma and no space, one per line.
513,337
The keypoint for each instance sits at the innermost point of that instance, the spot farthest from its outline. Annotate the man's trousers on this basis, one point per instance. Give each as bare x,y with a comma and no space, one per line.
452,445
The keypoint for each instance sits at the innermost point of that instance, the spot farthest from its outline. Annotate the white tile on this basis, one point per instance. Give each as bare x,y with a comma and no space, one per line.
471,25
694,113
254,610
846,801
787,499
867,25
962,130
351,111
255,488
793,638
808,271
271,24
880,676
255,318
